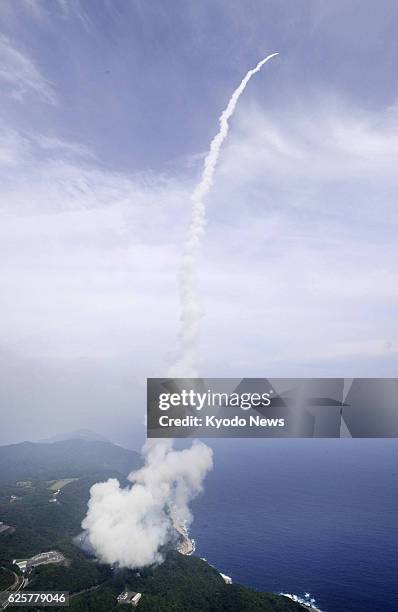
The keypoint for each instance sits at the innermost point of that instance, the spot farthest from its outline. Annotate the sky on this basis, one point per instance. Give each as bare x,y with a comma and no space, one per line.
106,112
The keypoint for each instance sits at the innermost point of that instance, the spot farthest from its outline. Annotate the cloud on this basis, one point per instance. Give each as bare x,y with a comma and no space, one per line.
299,255
10,11
88,285
14,147
74,8
303,224
329,142
43,12
22,76
91,250
298,269
52,143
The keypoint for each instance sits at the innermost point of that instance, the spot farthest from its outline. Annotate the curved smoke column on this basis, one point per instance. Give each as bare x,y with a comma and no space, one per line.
187,366
129,526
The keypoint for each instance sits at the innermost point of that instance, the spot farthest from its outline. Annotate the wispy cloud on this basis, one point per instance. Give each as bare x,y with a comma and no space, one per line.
20,73
14,147
18,148
301,255
74,8
43,11
61,146
94,250
299,267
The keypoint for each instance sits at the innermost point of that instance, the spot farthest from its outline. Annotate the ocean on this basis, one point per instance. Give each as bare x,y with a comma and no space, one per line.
295,516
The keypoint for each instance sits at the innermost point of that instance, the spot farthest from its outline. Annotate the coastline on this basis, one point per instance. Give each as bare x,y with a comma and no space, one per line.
185,544
307,602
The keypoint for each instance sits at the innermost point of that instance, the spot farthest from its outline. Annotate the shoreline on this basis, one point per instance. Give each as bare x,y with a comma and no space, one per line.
185,545
307,603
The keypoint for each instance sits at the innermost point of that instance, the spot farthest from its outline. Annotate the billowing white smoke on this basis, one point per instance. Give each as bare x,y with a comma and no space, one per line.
188,364
129,526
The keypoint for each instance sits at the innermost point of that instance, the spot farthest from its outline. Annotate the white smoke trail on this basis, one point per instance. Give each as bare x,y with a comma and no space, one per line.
130,526
187,366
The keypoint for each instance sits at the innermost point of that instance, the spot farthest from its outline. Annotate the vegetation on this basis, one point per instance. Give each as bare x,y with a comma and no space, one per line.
6,578
41,525
177,585
66,459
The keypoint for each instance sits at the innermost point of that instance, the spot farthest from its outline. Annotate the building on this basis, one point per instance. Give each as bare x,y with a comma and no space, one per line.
21,563
130,598
227,579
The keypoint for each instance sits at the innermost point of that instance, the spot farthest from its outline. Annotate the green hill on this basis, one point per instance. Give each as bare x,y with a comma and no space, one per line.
65,459
180,584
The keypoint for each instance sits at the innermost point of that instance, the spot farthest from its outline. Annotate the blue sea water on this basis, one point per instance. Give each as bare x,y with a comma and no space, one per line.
305,515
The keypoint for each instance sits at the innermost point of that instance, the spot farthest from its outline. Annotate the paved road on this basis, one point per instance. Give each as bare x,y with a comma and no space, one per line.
19,583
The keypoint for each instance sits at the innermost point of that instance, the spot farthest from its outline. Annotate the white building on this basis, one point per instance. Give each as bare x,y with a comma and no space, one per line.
21,563
129,597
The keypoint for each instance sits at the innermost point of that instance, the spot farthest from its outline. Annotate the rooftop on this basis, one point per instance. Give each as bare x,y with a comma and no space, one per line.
129,597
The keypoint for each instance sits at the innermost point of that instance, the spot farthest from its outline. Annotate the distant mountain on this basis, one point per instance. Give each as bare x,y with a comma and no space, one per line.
77,434
66,459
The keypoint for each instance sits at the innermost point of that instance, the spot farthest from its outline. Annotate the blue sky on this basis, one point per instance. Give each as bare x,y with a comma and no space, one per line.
106,111
142,82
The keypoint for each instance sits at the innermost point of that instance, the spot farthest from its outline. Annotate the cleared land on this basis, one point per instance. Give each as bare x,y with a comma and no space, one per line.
54,485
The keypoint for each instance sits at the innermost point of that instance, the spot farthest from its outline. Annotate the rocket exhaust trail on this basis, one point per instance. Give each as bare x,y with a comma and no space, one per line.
187,366
170,479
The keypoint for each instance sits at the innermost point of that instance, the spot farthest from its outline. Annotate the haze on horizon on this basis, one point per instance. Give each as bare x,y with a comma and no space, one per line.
106,111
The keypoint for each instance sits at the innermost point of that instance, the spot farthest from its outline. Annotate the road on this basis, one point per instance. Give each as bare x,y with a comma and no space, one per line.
19,583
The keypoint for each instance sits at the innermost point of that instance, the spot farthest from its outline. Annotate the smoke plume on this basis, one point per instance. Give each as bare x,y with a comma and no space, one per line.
188,364
129,526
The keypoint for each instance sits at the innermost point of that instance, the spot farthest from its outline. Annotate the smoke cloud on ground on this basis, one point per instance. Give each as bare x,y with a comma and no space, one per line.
129,526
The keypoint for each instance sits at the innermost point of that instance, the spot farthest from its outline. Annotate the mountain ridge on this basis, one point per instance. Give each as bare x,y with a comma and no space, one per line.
63,459
76,434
